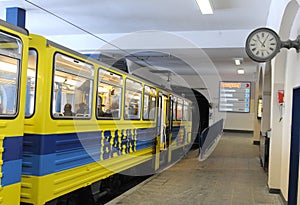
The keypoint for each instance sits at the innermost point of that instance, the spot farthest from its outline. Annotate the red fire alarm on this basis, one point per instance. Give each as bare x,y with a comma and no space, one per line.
280,95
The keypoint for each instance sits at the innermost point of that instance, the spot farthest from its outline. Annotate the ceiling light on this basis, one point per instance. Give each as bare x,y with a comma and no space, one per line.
205,6
241,71
238,61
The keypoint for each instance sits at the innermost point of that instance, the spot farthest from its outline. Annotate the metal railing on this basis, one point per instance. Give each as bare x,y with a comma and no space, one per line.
209,139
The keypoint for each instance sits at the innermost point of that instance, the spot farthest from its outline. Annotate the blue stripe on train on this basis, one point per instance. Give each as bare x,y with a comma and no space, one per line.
145,138
142,144
45,154
12,148
12,162
175,134
11,172
40,165
175,131
48,144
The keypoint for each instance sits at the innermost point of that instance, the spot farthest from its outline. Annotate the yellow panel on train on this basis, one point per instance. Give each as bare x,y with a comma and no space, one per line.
13,65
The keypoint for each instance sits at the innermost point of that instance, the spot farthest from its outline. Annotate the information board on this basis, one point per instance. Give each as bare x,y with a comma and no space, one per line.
234,96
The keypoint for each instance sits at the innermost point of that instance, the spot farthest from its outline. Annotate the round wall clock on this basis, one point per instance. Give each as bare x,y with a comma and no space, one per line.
262,44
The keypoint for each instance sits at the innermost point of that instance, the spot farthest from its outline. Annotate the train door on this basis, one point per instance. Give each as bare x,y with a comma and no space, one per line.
162,122
294,152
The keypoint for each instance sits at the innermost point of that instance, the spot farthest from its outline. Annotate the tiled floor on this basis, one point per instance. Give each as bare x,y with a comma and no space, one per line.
230,176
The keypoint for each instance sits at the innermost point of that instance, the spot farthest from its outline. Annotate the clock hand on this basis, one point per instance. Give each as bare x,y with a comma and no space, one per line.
258,38
263,43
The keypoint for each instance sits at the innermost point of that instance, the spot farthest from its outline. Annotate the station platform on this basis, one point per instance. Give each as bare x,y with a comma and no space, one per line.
232,175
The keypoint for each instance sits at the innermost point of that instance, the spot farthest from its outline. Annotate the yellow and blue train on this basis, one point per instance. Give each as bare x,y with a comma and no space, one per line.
68,121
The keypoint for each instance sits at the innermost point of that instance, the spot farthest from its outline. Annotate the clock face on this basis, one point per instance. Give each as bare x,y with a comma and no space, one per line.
262,44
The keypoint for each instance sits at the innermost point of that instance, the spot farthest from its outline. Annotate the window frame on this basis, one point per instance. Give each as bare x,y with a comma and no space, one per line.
112,84
64,70
35,90
19,58
178,103
140,99
155,103
174,108
185,110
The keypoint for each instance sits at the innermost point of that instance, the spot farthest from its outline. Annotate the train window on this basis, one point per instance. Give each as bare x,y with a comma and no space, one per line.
31,82
179,109
185,111
149,103
10,58
174,108
109,95
133,96
72,88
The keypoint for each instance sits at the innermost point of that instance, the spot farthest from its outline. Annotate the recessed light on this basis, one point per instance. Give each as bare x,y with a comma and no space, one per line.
241,71
238,61
205,6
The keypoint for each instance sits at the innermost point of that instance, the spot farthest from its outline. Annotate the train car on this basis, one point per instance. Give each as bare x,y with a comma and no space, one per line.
85,122
181,130
13,64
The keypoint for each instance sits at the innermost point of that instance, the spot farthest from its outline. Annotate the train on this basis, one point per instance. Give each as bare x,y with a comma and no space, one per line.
69,122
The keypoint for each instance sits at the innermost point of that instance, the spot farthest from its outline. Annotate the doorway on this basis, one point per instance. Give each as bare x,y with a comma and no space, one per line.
294,152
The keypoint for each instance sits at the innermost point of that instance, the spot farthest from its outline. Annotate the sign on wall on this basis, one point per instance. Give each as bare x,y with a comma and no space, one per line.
234,96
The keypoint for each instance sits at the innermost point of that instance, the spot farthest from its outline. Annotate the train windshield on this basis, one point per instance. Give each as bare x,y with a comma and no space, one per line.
72,88
10,58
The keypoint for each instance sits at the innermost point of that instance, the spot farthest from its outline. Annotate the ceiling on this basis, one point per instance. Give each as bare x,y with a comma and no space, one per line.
124,16
161,34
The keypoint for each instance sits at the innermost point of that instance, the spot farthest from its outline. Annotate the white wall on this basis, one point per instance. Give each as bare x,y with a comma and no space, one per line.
292,81
285,19
240,121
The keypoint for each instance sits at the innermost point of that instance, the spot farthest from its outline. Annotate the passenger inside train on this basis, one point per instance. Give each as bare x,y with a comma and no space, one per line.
100,106
83,109
68,110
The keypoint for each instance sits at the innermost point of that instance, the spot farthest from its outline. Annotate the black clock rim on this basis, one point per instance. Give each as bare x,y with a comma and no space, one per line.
260,59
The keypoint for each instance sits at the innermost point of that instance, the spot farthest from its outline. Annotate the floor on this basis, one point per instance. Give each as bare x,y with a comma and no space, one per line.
232,175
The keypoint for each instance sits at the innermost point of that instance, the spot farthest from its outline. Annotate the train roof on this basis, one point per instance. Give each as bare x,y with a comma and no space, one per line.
81,55
13,27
